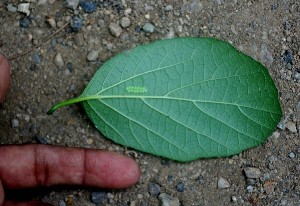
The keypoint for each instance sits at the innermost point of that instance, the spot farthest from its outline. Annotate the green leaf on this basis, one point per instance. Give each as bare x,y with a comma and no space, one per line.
184,98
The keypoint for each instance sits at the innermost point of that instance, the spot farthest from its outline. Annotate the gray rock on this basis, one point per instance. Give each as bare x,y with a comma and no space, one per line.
125,22
250,188
252,172
149,28
15,123
169,7
92,55
195,6
11,8
153,188
99,197
72,4
61,203
292,155
58,60
298,106
115,29
168,200
223,183
291,126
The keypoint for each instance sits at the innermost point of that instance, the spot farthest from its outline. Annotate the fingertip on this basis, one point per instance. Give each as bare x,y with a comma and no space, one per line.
113,170
4,77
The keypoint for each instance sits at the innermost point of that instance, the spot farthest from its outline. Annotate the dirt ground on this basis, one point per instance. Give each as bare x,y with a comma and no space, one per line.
267,30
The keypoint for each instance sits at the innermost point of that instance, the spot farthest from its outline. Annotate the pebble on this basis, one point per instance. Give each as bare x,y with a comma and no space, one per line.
51,22
180,187
168,200
127,11
288,57
153,188
25,22
11,8
61,203
149,28
292,155
291,126
72,4
92,55
195,6
298,106
99,197
24,8
88,6
115,29
41,139
223,183
36,58
15,123
76,23
233,198
58,60
125,22
169,7
250,188
252,172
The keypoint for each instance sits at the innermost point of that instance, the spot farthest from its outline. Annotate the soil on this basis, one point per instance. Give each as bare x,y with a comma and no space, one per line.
267,30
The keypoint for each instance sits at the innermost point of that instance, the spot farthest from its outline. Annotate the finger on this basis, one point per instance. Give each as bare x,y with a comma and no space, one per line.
41,165
4,77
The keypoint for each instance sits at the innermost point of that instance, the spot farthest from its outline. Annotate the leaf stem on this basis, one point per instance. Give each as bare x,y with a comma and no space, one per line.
71,101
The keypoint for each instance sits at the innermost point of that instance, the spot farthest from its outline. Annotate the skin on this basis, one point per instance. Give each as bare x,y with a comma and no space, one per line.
29,166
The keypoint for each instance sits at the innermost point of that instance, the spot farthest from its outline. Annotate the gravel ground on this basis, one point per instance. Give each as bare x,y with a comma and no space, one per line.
60,68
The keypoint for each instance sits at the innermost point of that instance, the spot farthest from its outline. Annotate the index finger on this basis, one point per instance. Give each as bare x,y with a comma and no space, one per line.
26,166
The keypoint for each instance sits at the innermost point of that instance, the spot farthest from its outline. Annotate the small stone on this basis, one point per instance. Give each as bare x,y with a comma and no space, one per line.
24,8
11,8
25,22
99,197
72,4
89,141
76,23
58,60
292,155
127,11
298,106
36,58
61,203
149,28
180,187
125,22
147,16
195,6
250,188
92,55
223,183
15,123
115,29
276,134
288,57
291,126
169,7
51,22
168,200
252,172
154,189
88,6
41,140
233,198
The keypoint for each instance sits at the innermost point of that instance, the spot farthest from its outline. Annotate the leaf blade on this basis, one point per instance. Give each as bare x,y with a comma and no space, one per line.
184,99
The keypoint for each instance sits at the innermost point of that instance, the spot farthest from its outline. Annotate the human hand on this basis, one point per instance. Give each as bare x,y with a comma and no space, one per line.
29,166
